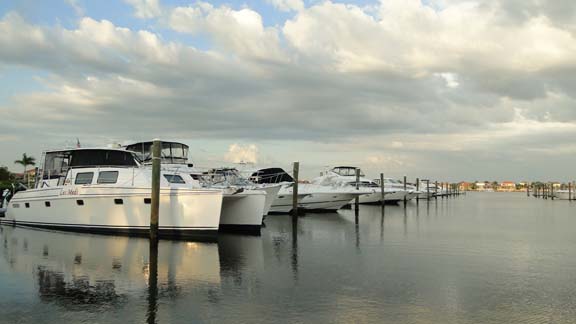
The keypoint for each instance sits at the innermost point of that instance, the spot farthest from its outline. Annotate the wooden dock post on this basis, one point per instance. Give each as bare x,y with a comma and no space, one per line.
382,192
436,190
528,189
428,189
417,191
155,198
405,191
357,200
552,190
295,172
569,191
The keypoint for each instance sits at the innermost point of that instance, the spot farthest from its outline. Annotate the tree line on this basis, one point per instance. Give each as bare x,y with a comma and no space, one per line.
7,178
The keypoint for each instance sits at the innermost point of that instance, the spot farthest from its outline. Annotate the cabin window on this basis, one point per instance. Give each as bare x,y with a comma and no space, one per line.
147,201
27,205
195,176
83,178
47,204
172,178
119,201
107,177
80,202
15,205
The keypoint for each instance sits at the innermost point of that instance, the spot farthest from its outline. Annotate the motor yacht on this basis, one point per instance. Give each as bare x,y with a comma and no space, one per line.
346,176
106,190
311,196
243,206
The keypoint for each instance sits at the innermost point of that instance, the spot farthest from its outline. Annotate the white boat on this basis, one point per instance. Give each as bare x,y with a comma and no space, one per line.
428,190
564,194
310,196
244,204
346,176
104,190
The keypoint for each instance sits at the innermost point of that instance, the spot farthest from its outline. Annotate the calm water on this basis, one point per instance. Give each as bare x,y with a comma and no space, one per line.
482,258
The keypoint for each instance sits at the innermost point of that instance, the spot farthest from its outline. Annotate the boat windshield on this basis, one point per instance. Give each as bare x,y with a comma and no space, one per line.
271,175
347,171
173,153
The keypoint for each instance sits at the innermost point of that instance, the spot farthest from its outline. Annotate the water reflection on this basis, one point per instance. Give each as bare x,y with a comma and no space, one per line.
459,261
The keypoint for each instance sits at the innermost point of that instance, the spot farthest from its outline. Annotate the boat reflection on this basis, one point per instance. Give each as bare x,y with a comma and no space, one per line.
94,272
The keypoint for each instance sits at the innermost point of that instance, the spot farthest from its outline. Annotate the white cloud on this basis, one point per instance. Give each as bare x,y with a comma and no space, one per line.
145,9
399,76
76,6
287,5
239,31
242,153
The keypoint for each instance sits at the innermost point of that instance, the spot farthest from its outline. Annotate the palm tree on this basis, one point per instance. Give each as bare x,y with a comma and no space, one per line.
26,161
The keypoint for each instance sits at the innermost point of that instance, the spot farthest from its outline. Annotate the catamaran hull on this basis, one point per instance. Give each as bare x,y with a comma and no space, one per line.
243,211
271,196
104,210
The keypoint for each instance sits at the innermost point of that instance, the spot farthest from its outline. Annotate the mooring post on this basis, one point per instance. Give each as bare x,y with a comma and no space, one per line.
382,193
569,190
295,190
528,189
155,198
436,190
552,190
427,189
405,192
357,200
417,190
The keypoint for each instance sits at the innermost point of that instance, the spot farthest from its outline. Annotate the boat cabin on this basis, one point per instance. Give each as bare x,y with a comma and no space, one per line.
171,153
58,165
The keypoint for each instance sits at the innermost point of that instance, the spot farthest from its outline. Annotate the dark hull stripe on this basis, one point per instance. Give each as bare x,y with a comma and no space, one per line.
314,203
244,229
207,234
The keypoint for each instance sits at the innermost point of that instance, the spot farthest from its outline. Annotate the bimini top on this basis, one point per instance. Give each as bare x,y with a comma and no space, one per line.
57,163
270,175
172,152
347,171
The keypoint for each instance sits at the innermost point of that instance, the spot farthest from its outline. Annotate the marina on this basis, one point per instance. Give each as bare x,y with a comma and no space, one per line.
480,258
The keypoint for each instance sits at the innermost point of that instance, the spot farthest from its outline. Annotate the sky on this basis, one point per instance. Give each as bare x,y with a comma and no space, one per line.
439,89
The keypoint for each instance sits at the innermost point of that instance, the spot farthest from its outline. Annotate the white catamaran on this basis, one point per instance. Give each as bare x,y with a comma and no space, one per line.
105,190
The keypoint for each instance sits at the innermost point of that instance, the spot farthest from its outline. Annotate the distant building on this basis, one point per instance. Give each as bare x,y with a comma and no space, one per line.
465,186
480,186
507,186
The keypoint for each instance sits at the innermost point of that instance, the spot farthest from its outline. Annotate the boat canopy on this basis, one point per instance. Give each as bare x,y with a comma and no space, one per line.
57,163
271,175
172,152
347,171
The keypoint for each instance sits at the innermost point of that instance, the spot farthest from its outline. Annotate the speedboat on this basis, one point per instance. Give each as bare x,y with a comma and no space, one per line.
311,196
243,207
105,190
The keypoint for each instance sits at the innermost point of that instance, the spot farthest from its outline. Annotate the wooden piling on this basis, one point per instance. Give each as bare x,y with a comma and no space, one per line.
357,200
295,172
382,189
417,191
527,189
569,191
405,189
552,190
436,190
155,198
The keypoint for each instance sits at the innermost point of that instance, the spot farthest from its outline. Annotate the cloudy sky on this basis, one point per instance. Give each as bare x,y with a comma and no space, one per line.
443,89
